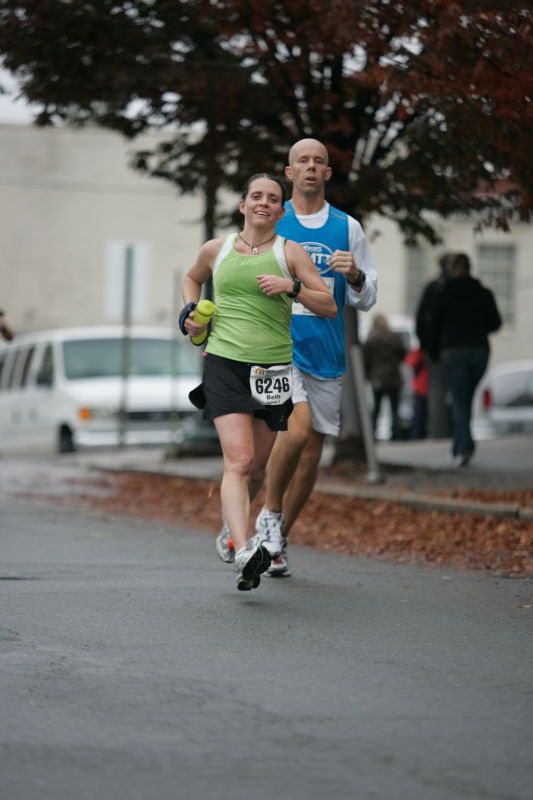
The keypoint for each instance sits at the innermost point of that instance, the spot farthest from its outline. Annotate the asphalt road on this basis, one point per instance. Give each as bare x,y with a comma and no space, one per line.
130,667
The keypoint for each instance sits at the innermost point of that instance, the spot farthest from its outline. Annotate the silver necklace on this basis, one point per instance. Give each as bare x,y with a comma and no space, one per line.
253,247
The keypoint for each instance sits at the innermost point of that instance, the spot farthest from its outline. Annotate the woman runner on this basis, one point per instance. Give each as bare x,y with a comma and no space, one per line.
247,383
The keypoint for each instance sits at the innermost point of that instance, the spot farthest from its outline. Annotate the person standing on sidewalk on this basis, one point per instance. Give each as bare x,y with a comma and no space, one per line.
417,361
247,381
383,353
463,314
342,257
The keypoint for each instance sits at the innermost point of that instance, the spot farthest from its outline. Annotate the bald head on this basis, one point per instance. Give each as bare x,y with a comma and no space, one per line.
307,145
308,170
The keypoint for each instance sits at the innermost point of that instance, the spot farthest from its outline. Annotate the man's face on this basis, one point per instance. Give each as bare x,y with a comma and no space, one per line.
308,168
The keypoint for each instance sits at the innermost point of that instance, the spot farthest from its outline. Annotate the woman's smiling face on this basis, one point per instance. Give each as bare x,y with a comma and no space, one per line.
263,204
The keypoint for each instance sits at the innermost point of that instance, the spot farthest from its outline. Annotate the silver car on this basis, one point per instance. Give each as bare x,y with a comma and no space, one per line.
507,397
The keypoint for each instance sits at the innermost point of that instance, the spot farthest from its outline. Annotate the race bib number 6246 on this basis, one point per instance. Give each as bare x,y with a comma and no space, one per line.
272,386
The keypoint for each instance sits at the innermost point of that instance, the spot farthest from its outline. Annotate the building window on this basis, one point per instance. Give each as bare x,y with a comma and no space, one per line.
496,268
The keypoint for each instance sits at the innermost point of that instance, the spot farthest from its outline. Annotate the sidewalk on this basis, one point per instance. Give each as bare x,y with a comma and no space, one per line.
413,473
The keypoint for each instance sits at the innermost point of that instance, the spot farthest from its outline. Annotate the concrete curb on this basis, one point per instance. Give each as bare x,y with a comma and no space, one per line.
449,505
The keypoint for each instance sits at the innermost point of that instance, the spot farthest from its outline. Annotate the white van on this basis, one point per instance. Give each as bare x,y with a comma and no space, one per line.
63,389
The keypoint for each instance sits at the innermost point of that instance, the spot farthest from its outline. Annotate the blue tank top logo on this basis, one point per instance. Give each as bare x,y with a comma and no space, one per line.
320,254
318,343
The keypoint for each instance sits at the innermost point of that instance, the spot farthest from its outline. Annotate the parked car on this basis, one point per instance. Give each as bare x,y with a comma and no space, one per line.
506,396
63,389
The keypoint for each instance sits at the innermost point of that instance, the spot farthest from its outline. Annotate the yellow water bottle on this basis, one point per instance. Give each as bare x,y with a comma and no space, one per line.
202,314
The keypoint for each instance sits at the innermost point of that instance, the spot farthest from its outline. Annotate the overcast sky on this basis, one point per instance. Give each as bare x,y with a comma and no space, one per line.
12,110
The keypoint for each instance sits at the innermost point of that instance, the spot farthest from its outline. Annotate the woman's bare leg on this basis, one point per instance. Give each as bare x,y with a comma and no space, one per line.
235,432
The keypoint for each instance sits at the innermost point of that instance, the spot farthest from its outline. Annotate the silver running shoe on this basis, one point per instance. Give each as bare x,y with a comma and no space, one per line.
268,528
224,545
250,562
279,567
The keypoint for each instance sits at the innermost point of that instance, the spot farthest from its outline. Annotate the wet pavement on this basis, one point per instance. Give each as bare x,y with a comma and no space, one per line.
130,667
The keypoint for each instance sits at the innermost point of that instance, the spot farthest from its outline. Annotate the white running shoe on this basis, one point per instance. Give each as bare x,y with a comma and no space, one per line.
224,545
250,562
268,527
279,567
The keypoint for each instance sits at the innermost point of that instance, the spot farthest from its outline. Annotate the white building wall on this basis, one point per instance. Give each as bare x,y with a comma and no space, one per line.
389,254
64,197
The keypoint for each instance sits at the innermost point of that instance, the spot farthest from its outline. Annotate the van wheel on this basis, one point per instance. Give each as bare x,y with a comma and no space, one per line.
65,440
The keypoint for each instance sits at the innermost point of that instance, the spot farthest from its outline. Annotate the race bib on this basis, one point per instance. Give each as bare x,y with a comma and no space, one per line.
272,386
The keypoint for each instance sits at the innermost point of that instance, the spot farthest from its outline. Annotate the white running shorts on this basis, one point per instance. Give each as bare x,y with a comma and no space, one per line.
324,398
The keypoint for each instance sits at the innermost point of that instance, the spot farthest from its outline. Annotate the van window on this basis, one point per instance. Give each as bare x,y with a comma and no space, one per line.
7,372
45,376
15,364
102,358
20,375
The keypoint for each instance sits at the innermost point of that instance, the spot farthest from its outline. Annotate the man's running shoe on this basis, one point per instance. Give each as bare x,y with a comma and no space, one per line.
250,562
224,545
279,567
268,528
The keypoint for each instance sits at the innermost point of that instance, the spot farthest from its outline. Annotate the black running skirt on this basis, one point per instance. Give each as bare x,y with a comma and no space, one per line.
225,389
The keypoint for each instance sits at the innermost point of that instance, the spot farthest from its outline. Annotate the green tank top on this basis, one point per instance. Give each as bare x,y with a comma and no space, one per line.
249,326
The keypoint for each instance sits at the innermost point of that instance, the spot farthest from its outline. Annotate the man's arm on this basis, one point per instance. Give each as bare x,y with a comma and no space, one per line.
493,319
364,299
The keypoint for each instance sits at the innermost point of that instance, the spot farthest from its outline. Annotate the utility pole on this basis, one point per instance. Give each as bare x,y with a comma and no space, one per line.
356,432
126,346
373,474
173,444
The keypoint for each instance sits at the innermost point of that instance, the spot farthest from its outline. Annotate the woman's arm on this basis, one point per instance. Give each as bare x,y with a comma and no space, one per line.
314,294
195,277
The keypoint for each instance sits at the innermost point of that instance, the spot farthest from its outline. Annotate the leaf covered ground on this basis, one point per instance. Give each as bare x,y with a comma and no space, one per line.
500,545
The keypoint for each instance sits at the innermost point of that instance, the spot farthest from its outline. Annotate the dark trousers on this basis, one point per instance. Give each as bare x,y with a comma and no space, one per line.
439,422
462,372
394,398
420,413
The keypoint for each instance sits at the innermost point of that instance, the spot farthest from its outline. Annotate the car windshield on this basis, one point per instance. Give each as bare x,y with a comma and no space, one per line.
102,358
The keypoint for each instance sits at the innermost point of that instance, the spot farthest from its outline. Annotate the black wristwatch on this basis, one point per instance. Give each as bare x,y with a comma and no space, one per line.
296,286
360,282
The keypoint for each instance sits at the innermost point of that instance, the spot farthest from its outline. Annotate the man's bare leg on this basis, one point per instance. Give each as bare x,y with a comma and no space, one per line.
303,480
286,454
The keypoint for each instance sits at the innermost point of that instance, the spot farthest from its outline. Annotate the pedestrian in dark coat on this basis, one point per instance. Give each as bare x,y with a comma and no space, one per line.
464,313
